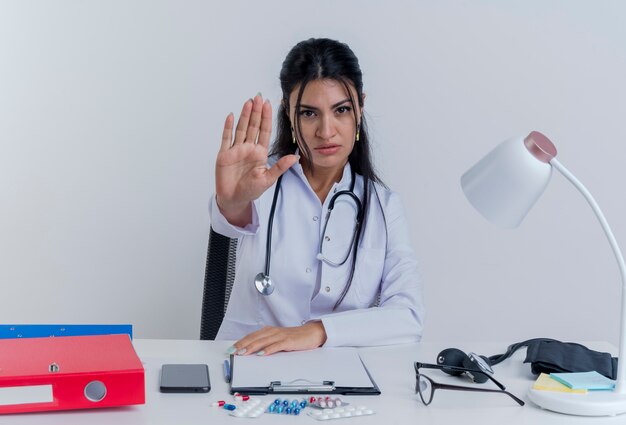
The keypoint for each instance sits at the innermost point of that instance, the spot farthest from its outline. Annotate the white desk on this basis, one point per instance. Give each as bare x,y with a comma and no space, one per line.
391,368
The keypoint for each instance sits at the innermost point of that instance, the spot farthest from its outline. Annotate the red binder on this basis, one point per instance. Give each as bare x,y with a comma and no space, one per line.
73,372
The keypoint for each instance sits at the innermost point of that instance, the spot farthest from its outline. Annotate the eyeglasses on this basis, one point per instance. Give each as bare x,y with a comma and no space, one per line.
426,387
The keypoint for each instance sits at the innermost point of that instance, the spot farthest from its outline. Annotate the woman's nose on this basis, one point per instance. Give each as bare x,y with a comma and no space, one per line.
326,129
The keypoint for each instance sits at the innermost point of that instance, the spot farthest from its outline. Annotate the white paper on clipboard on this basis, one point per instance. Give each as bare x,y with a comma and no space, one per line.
342,366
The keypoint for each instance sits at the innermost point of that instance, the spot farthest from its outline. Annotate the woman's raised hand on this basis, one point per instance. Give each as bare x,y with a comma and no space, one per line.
241,173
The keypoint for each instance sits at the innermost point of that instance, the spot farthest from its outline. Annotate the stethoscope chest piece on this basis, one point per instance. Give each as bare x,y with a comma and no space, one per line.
264,284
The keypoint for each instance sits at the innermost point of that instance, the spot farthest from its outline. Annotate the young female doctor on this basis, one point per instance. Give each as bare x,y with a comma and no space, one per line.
323,254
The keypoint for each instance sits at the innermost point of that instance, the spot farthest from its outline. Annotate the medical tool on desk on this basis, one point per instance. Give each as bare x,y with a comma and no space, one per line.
478,367
545,355
263,282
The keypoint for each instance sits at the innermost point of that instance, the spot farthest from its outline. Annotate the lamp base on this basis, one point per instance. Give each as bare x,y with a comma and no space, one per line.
594,403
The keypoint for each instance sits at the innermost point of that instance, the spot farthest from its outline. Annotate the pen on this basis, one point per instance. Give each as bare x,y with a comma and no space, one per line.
227,370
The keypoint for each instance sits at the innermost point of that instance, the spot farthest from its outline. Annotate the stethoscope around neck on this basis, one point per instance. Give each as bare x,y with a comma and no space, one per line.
263,282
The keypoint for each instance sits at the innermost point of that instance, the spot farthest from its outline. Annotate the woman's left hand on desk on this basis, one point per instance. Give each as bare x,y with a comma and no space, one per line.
270,340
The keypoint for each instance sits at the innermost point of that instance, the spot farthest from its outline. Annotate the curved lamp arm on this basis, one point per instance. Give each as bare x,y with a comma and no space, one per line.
620,383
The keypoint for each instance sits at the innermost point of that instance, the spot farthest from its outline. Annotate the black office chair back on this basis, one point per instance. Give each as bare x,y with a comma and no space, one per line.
219,276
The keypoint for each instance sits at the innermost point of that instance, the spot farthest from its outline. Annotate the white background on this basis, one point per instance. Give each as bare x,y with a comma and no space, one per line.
111,115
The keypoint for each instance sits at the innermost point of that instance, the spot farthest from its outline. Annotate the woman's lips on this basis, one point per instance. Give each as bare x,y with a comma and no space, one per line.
328,149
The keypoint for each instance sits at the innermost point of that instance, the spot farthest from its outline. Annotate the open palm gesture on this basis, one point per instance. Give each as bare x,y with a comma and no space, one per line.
241,173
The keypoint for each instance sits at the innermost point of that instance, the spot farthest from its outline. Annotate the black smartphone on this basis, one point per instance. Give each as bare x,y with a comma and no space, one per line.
185,378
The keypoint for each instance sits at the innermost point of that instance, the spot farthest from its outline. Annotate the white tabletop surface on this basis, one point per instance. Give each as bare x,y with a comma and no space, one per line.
391,367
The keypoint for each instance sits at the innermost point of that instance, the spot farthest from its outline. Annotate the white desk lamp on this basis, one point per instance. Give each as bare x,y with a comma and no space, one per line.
503,187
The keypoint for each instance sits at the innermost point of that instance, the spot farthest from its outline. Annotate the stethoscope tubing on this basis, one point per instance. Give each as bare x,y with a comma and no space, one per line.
263,282
270,227
331,205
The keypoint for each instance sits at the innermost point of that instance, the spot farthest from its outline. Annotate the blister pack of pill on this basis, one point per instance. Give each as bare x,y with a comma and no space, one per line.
286,407
252,408
340,413
243,407
326,402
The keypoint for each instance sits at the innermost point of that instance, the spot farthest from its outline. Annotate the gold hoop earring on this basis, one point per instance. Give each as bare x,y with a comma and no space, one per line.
293,136
357,136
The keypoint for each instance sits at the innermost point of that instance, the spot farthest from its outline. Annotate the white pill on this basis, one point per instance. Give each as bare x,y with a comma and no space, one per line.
323,417
368,412
327,410
346,414
358,412
335,415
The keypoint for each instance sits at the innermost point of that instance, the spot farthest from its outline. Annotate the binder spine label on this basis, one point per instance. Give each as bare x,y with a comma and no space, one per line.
26,394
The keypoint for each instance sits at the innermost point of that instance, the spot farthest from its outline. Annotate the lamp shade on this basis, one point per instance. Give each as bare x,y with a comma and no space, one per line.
505,184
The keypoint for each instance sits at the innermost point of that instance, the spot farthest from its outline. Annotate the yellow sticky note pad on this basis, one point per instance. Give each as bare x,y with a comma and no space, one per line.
545,383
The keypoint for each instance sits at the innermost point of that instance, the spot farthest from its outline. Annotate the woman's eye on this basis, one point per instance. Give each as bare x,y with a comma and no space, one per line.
307,113
343,109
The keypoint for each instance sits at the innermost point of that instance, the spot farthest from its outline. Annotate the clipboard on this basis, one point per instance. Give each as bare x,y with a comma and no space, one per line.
320,371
